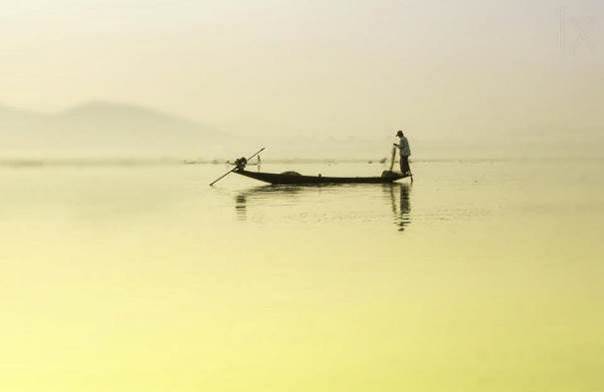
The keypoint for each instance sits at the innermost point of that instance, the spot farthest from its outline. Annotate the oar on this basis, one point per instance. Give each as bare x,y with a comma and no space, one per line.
392,158
235,168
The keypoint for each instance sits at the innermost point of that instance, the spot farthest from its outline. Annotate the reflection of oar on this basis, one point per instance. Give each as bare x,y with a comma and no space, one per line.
235,168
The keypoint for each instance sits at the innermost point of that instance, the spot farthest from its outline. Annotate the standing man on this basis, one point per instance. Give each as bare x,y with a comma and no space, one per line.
405,152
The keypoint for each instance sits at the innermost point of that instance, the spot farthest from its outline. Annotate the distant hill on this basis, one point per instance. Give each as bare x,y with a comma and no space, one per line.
101,128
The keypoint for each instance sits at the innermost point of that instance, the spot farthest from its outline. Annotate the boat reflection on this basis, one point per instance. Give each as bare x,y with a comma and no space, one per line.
397,198
241,206
260,192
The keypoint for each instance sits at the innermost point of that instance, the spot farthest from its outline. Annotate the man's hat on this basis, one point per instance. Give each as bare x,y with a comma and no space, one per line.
399,133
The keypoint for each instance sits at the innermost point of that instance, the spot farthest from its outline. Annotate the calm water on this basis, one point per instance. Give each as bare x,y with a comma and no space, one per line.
481,276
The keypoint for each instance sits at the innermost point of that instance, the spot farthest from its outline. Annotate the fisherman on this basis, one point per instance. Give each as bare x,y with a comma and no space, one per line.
405,152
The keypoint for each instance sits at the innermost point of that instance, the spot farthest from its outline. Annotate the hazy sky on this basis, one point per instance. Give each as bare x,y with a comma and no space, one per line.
437,68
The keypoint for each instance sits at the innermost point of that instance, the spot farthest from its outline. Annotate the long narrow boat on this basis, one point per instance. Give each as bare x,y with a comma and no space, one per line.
290,178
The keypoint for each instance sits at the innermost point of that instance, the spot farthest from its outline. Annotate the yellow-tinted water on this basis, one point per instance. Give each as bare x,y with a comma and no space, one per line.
481,276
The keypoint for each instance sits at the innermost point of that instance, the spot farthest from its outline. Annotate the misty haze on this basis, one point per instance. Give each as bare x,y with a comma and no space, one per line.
301,195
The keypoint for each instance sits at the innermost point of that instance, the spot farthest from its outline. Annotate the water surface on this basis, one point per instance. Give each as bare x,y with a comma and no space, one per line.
482,275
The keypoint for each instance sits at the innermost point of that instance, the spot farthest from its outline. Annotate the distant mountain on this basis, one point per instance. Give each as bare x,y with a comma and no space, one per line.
101,128
106,129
